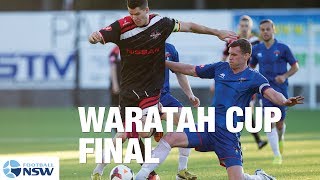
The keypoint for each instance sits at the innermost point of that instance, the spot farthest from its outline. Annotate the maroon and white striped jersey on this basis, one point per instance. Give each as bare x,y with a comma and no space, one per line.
142,51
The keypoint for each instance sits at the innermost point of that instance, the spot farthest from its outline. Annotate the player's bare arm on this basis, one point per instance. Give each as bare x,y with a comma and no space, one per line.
185,86
280,100
114,79
223,35
95,37
186,69
282,78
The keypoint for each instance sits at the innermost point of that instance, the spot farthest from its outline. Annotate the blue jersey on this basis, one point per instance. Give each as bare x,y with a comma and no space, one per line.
171,55
232,89
273,62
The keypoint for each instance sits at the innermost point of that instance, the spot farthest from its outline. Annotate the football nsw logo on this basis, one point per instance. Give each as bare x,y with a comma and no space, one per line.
12,169
29,168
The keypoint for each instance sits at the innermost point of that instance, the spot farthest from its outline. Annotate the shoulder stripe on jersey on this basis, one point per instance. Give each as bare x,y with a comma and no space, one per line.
132,25
128,28
262,86
138,30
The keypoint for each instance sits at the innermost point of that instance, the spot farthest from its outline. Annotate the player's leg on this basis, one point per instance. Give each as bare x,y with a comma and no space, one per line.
184,139
273,137
153,175
257,138
167,100
98,171
281,129
124,102
184,154
228,149
162,150
256,135
274,143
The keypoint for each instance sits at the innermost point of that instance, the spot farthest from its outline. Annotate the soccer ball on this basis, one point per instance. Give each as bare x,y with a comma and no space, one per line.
121,172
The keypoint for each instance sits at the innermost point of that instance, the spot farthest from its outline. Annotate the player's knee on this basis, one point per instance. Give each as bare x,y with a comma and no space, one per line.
280,125
170,138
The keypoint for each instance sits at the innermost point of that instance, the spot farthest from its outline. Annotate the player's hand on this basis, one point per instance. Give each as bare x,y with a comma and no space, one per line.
95,37
280,79
194,101
227,36
294,100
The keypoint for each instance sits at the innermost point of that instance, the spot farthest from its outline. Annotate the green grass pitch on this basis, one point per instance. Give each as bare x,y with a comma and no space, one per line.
56,132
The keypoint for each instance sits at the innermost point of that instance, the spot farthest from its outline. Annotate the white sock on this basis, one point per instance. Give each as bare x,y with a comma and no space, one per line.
99,168
274,141
161,151
183,158
252,177
281,132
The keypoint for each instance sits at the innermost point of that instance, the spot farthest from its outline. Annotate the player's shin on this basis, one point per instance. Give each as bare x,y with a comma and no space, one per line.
99,168
161,152
274,141
142,147
183,158
281,132
281,138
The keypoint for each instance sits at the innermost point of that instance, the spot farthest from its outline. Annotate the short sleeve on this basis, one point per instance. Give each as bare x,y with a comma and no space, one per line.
207,71
111,33
289,56
261,83
175,55
168,26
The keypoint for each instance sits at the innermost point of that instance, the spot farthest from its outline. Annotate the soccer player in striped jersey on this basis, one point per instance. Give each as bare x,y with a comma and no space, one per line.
141,38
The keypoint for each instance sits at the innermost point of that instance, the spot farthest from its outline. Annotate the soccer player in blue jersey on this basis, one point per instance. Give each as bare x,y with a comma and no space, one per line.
235,85
245,31
273,57
167,100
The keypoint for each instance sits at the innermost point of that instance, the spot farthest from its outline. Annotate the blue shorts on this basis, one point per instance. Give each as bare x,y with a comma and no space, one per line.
283,109
167,100
225,144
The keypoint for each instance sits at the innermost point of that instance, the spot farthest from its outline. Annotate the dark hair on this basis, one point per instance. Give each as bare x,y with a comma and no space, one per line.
245,45
142,4
267,21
